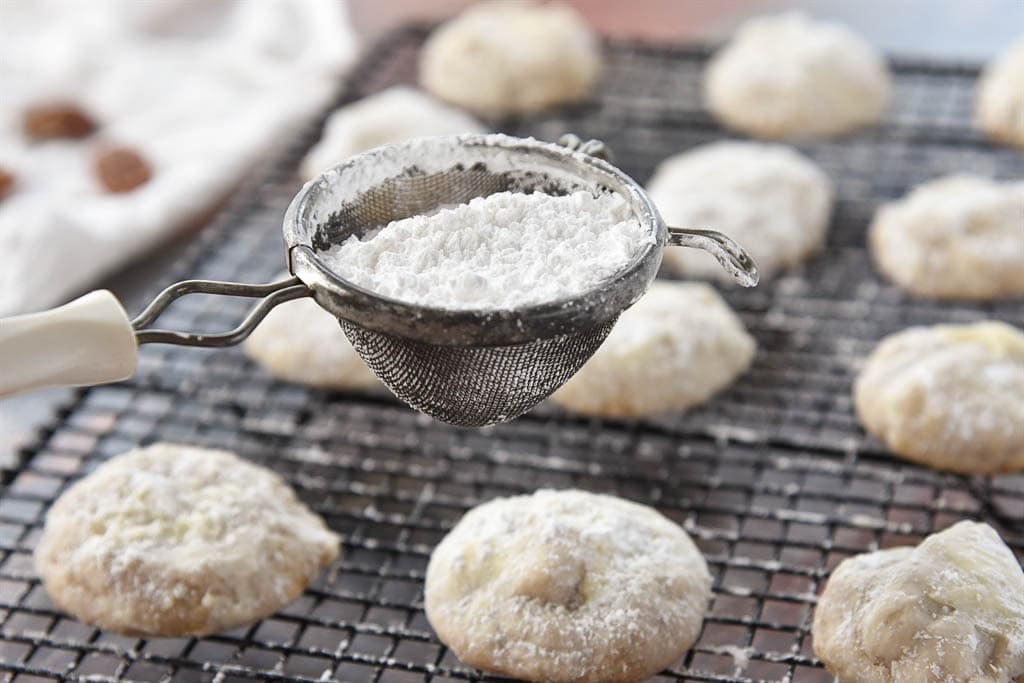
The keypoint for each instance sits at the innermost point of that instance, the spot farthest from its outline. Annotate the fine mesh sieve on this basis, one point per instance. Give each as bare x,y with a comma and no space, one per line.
469,367
465,367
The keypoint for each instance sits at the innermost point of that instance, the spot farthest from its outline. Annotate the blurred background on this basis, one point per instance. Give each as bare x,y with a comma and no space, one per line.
231,78
956,29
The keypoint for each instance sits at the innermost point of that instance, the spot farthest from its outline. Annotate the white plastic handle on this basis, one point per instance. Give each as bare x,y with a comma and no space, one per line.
88,341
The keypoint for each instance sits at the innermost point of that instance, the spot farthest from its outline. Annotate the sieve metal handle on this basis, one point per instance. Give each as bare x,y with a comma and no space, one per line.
272,294
727,252
91,341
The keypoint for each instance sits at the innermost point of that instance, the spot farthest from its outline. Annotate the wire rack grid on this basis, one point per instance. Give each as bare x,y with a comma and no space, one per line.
773,479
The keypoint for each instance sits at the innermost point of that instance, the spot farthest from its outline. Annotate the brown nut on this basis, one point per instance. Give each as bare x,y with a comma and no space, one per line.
121,169
56,120
6,183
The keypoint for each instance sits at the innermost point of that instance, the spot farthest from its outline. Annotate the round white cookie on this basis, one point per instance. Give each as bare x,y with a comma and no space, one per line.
948,396
511,57
951,609
790,76
772,200
567,586
956,237
300,342
173,540
389,117
674,349
999,102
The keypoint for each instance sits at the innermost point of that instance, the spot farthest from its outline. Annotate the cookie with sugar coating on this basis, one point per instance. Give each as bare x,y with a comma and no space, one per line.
790,76
999,100
948,396
511,57
770,198
955,237
674,349
300,342
388,117
951,609
175,540
563,586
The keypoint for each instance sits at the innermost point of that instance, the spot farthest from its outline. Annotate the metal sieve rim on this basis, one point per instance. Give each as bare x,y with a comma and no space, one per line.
449,327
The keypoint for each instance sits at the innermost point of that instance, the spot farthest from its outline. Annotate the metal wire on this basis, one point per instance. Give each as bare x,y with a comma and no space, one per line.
272,294
773,479
475,385
469,367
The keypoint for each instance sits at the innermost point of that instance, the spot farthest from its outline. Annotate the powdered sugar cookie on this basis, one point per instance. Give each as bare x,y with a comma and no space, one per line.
769,198
510,57
948,396
567,586
300,342
391,116
790,76
951,609
674,349
999,104
956,237
173,540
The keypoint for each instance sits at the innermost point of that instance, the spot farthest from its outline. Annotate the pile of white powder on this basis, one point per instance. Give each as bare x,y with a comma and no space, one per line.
497,252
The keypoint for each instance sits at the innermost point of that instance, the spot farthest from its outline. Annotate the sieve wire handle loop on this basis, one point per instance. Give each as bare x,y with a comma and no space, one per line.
727,252
271,293
91,341
593,147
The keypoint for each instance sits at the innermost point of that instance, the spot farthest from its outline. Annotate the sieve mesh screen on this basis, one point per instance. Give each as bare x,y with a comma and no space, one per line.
474,385
528,352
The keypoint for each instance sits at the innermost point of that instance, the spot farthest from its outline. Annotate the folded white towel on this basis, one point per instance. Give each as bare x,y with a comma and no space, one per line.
201,90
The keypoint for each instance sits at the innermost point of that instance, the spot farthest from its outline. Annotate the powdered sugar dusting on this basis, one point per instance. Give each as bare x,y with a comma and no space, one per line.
675,348
953,606
502,251
772,200
566,585
999,104
178,540
959,236
949,395
740,655
789,75
394,115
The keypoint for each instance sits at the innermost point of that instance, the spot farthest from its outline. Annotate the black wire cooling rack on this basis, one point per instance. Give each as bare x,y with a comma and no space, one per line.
773,479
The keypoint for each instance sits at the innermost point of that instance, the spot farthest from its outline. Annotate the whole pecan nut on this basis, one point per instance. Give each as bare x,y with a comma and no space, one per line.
6,183
121,169
56,120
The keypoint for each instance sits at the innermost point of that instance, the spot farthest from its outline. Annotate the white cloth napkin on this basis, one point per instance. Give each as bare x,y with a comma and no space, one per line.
200,89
